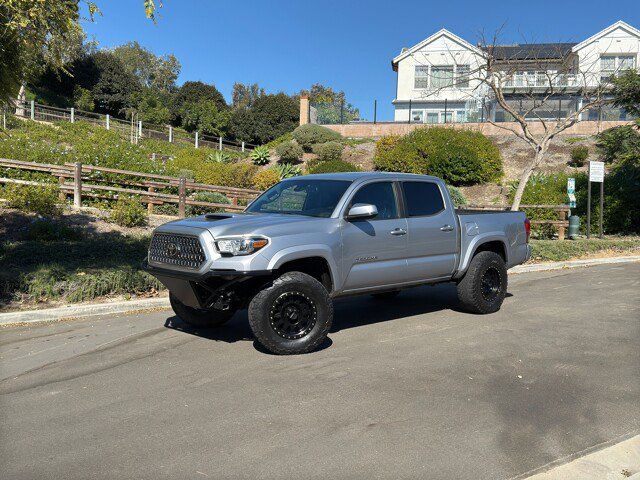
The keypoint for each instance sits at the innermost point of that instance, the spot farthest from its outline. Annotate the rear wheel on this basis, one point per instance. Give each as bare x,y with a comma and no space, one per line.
386,295
292,315
200,317
484,286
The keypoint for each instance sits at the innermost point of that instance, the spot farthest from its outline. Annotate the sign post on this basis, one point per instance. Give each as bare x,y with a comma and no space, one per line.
596,174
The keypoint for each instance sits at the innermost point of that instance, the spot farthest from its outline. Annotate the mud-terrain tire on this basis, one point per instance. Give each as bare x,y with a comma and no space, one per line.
390,295
292,315
198,317
484,286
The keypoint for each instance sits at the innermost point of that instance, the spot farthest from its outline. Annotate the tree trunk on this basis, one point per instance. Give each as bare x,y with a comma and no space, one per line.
524,178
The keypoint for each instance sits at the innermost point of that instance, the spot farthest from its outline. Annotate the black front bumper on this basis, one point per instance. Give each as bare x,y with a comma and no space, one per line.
199,290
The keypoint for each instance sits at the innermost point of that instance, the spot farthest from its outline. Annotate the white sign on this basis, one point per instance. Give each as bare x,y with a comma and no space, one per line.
571,185
596,172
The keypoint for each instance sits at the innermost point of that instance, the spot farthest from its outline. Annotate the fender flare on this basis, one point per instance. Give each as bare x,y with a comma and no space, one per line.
477,242
306,251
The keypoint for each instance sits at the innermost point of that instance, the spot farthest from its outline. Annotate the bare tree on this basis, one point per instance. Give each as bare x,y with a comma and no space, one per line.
522,87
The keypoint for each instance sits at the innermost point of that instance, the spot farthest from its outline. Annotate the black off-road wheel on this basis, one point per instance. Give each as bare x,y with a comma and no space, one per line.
484,286
199,317
386,295
292,315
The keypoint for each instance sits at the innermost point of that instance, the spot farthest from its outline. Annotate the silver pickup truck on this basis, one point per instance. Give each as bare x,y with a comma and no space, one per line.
309,239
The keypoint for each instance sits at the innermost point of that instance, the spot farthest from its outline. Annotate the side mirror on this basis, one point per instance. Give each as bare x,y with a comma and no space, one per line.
361,211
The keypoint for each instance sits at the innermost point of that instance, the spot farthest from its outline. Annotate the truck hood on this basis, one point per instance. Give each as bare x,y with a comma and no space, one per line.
225,224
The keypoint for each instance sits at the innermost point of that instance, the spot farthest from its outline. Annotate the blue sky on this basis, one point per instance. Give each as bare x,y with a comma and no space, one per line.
348,45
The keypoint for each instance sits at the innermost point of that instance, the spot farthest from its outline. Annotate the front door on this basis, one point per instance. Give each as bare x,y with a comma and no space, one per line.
374,249
432,249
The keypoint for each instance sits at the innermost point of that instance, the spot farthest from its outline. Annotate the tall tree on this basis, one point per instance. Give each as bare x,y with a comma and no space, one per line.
36,34
192,93
153,71
244,95
270,117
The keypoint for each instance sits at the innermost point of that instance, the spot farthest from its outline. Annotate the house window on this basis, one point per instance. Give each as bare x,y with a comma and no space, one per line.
432,117
417,116
442,76
462,73
610,65
421,76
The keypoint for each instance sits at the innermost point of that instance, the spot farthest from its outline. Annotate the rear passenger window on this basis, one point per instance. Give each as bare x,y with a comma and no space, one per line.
422,198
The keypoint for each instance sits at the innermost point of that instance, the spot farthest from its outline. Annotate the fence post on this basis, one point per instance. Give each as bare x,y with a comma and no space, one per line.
140,129
73,114
445,110
342,112
243,146
170,134
150,204
107,122
33,110
409,111
77,185
196,139
182,194
62,196
220,144
4,118
562,215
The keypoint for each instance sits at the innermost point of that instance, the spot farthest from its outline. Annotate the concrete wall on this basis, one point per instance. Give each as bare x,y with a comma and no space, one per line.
370,130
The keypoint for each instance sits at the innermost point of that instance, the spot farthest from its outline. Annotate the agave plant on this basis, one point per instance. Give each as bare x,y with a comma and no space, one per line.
287,170
260,155
220,157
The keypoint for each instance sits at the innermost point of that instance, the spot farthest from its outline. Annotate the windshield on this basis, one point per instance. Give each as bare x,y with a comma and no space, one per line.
315,198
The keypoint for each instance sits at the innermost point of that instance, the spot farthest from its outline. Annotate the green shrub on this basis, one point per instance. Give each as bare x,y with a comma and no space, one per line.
286,170
266,178
30,198
46,230
289,152
543,190
128,212
287,137
578,155
332,166
328,151
211,197
460,157
260,155
457,197
309,134
618,141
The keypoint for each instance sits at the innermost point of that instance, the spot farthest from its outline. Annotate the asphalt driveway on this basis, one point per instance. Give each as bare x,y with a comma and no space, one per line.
408,388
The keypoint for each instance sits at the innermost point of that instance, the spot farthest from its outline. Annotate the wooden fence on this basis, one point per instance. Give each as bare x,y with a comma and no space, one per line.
80,181
561,224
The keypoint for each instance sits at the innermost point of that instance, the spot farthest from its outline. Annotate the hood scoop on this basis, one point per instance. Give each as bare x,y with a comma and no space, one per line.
218,216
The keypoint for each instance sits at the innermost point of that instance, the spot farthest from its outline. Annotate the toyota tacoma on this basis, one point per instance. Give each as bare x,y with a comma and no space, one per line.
313,238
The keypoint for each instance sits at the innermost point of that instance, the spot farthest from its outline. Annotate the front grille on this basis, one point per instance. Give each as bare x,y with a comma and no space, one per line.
179,250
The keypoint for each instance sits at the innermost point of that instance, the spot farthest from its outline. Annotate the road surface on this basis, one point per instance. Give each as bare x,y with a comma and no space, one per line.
407,388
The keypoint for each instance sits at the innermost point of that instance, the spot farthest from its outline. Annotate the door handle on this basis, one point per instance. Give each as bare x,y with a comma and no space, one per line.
398,231
446,228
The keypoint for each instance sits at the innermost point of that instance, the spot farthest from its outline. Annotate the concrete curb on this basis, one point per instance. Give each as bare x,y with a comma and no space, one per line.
76,311
542,267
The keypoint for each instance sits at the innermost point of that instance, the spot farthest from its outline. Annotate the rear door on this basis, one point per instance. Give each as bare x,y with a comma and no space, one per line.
432,247
374,249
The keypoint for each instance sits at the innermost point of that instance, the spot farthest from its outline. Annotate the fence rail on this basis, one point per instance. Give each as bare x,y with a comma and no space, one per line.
134,130
142,185
561,224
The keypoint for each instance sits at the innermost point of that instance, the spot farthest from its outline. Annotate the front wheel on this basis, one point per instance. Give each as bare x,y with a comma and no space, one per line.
292,315
484,286
199,317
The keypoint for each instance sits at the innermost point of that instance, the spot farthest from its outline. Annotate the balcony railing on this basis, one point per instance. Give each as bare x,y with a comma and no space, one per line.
541,80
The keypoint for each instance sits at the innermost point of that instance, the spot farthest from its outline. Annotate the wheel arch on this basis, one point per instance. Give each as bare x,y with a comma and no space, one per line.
490,242
316,260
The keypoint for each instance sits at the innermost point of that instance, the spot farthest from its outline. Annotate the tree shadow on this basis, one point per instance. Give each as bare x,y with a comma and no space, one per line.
541,420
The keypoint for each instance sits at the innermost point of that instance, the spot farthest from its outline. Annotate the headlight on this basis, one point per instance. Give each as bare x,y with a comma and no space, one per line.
240,245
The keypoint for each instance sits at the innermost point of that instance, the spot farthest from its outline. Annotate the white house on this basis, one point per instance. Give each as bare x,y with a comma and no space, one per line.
437,79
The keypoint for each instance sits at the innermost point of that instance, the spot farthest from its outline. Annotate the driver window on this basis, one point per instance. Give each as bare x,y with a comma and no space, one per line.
381,195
